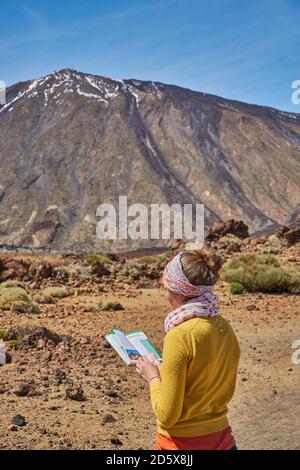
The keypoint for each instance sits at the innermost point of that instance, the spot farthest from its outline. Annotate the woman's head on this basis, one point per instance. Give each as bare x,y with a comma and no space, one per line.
201,267
191,274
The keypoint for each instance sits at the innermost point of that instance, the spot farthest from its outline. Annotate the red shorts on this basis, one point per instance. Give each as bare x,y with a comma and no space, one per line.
221,440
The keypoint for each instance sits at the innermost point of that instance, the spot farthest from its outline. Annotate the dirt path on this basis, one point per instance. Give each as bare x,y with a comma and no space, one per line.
264,413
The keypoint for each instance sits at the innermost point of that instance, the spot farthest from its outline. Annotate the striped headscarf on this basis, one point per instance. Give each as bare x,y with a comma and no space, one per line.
202,301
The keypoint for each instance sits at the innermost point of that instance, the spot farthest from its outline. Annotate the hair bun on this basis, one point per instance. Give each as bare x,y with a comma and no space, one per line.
201,266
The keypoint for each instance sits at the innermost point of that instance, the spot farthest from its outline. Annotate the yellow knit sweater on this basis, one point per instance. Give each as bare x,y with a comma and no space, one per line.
198,376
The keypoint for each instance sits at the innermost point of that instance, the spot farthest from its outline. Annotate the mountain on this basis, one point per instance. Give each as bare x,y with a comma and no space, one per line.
293,221
70,141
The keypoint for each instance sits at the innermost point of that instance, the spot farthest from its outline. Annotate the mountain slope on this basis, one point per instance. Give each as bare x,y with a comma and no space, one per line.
293,221
70,141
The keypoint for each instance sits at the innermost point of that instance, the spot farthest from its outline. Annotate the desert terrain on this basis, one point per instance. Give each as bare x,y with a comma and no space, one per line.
76,393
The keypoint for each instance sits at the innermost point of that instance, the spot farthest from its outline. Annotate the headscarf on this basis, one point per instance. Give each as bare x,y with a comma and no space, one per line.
202,301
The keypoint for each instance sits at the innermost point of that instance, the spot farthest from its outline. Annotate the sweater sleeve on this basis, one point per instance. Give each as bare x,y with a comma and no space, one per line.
167,394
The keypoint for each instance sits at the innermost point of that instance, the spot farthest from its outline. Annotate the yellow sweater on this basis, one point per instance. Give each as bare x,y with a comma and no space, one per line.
198,376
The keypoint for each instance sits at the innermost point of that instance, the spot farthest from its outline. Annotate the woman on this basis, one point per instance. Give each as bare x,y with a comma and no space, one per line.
196,381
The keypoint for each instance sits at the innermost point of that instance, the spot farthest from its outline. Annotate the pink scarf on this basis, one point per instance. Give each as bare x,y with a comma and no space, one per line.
202,301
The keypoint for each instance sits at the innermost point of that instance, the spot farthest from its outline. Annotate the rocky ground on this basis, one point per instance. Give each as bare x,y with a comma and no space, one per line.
75,392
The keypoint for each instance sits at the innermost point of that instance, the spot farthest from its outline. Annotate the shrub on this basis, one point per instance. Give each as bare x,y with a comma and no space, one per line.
273,246
112,307
236,288
229,239
270,250
10,295
95,308
20,306
56,292
43,299
134,273
273,240
130,270
12,283
25,307
152,259
76,270
3,334
35,308
261,273
93,258
22,329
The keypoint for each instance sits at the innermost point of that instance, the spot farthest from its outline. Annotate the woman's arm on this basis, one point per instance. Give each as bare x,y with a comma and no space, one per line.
167,394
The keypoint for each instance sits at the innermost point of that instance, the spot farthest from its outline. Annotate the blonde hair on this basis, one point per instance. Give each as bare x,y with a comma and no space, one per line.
201,266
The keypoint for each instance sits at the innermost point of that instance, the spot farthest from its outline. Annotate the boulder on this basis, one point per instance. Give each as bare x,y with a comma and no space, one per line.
98,269
290,235
220,229
44,271
13,269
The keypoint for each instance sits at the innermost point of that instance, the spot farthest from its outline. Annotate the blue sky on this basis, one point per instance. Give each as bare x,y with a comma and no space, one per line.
244,50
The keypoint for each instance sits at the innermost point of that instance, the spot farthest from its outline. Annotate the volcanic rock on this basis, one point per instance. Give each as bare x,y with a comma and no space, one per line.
98,269
234,227
26,389
13,269
75,393
19,420
44,271
108,418
33,336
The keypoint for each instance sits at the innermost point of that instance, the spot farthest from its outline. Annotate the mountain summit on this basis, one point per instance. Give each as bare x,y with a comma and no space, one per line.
71,141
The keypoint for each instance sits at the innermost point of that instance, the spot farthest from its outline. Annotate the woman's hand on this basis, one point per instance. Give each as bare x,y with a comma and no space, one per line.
147,369
155,360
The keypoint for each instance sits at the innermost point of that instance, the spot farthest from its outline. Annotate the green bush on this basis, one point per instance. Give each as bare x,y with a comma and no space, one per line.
273,246
261,273
14,342
10,295
230,239
152,259
55,292
20,306
236,288
273,240
93,258
22,329
134,273
3,334
76,270
130,270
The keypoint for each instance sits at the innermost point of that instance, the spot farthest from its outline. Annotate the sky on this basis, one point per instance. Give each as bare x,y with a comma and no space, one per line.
245,50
